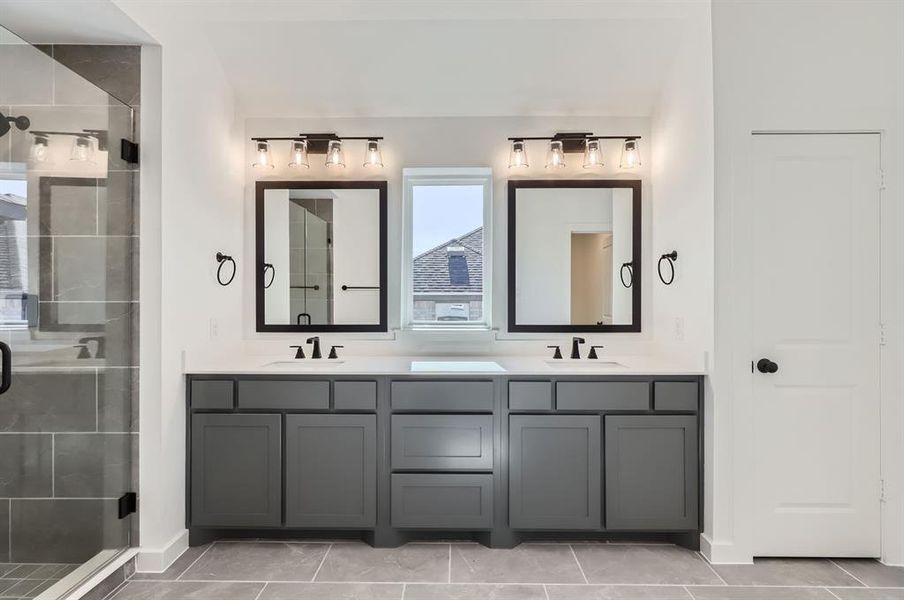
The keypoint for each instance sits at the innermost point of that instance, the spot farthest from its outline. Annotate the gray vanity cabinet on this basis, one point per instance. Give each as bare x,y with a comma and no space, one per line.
651,472
236,470
554,472
331,471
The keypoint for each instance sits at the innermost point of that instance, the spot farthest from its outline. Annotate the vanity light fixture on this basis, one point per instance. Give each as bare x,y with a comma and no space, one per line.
40,148
630,156
334,155
264,156
303,144
593,153
299,154
373,158
555,155
518,155
586,143
82,149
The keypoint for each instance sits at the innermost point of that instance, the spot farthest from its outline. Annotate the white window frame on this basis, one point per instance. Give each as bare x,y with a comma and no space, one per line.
440,176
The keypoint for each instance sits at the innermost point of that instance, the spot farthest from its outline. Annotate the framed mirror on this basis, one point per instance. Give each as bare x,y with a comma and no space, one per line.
574,255
321,256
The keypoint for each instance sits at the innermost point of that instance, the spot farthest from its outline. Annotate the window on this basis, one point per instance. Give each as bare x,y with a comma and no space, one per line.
446,247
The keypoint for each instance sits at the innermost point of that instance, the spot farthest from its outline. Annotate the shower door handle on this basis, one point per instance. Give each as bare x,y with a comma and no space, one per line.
7,358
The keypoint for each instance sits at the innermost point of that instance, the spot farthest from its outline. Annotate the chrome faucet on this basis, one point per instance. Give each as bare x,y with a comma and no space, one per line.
315,353
575,351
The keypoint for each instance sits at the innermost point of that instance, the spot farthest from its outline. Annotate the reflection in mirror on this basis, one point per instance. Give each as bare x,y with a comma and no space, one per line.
321,262
571,239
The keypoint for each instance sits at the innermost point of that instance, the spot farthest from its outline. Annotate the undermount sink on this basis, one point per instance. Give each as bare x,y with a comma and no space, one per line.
589,364
302,363
456,366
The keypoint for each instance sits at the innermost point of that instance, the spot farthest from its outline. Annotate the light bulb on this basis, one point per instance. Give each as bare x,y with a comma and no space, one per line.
40,148
593,154
555,156
630,156
299,154
334,155
81,149
372,156
518,155
264,156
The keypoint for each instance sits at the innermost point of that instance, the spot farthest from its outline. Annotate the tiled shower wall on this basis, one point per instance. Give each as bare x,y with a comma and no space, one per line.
69,423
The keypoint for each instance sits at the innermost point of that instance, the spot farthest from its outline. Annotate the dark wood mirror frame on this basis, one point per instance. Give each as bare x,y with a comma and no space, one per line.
634,184
260,188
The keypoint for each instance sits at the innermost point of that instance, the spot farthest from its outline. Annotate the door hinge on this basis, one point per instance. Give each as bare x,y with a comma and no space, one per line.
881,179
128,504
882,497
128,151
883,338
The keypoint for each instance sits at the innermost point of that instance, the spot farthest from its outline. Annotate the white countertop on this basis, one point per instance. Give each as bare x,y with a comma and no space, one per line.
464,366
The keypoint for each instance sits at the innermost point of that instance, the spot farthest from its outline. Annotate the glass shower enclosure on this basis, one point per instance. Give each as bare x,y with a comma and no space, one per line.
68,323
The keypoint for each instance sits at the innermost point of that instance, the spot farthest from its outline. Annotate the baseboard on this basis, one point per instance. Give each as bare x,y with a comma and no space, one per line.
158,560
722,553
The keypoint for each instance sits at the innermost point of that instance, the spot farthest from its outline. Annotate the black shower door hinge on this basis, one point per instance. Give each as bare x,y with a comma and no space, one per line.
128,151
128,504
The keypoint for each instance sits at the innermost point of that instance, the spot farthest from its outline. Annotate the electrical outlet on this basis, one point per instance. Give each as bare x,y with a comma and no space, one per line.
679,329
214,328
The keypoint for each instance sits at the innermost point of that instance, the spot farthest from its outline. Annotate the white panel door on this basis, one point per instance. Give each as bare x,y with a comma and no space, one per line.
815,314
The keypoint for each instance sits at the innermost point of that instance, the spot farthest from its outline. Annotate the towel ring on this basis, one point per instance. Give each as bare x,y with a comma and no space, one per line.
670,258
272,274
223,259
621,274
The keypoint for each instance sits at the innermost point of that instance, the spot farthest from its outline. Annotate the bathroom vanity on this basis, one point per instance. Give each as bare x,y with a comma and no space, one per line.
536,450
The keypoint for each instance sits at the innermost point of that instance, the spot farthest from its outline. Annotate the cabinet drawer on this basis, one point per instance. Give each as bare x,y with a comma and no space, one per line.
284,395
675,395
450,396
603,395
355,395
450,501
530,395
442,442
212,394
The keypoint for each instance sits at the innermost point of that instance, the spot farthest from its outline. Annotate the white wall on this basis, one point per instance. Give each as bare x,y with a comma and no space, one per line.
445,142
190,209
819,65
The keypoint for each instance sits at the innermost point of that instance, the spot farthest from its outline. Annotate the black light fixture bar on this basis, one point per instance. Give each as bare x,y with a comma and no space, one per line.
318,143
570,136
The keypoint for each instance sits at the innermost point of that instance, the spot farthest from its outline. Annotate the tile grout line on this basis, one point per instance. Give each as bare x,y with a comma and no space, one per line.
260,593
833,594
848,573
689,593
580,568
322,560
711,568
545,591
194,562
404,591
116,590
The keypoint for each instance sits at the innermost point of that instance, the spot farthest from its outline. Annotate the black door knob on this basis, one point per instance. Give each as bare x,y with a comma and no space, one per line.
764,365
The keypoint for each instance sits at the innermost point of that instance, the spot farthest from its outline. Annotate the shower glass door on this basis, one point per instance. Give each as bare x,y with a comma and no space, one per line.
68,321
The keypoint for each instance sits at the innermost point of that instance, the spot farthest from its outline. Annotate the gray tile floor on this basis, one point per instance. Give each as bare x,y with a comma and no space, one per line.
462,571
29,580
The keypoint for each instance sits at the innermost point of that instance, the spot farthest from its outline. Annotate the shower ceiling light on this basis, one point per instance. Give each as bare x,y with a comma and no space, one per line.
373,158
630,156
264,156
518,155
299,154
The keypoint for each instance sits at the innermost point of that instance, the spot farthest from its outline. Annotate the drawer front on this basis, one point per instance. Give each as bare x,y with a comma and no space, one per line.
449,396
530,395
442,442
675,395
603,395
212,394
355,395
284,395
450,501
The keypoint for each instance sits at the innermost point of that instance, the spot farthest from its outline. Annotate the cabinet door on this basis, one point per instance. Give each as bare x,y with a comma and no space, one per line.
236,470
554,472
331,470
651,472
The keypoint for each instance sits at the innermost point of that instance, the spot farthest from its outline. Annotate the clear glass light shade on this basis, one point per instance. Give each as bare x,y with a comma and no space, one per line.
299,154
518,155
334,155
372,156
82,149
593,154
555,156
264,156
630,156
40,149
